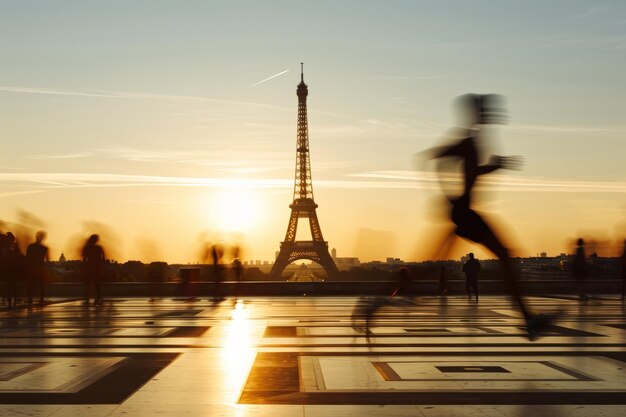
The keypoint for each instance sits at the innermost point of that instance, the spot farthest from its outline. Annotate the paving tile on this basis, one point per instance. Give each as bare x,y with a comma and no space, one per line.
85,410
28,410
459,411
361,410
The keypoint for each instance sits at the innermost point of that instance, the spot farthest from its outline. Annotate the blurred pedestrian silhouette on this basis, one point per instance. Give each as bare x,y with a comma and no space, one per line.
93,268
366,307
624,271
36,274
237,268
217,271
471,269
236,263
14,268
404,282
579,269
443,281
156,278
4,242
464,154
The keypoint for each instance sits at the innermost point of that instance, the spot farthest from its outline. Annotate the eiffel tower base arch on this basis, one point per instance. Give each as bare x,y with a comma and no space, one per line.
310,250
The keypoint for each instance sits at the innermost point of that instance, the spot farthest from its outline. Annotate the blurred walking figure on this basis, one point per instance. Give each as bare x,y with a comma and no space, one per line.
36,258
579,269
471,269
367,307
156,278
13,267
218,272
236,263
404,281
237,268
624,271
93,268
443,281
4,242
464,154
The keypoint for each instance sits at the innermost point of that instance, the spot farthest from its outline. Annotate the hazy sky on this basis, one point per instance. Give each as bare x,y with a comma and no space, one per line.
150,120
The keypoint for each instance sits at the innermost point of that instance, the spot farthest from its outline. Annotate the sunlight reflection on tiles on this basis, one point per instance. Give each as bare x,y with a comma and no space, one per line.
212,410
238,352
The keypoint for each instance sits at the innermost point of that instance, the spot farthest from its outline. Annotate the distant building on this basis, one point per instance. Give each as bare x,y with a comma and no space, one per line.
395,261
343,264
544,255
62,258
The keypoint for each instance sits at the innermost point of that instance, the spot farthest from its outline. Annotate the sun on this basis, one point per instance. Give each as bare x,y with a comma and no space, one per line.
236,210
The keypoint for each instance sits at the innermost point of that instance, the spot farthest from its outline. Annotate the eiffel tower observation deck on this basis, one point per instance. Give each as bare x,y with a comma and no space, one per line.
303,205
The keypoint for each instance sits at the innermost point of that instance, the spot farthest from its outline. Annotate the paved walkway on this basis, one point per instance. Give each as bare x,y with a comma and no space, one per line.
301,357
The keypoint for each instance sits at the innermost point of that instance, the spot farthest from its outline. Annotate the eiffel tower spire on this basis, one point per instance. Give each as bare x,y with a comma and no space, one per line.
303,205
303,188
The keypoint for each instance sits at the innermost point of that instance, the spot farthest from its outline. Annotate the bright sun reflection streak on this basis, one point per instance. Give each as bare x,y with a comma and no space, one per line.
238,352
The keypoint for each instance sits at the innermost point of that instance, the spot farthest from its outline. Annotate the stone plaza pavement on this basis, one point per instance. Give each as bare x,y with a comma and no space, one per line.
300,356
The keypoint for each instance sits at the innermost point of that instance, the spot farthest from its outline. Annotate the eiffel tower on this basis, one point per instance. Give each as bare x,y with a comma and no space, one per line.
303,205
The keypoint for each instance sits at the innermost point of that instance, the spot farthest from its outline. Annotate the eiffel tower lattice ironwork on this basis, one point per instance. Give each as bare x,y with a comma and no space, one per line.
303,205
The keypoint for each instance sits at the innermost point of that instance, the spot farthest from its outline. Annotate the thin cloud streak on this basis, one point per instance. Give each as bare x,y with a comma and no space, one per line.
269,78
570,128
14,193
95,180
404,77
371,180
502,182
75,155
36,90
252,156
132,95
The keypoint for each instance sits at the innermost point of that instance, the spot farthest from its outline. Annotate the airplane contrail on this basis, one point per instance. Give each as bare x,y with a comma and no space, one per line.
269,78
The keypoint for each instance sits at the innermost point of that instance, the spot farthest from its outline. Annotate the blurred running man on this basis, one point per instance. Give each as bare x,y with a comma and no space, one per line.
463,154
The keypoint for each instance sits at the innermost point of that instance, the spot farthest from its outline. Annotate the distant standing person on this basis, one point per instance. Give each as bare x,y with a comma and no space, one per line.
471,269
93,267
579,268
36,258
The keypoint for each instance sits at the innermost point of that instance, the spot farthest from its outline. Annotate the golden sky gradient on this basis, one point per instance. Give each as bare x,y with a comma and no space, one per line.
162,124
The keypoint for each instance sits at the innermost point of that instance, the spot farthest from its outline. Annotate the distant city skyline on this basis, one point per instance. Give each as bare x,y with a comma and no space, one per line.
162,126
